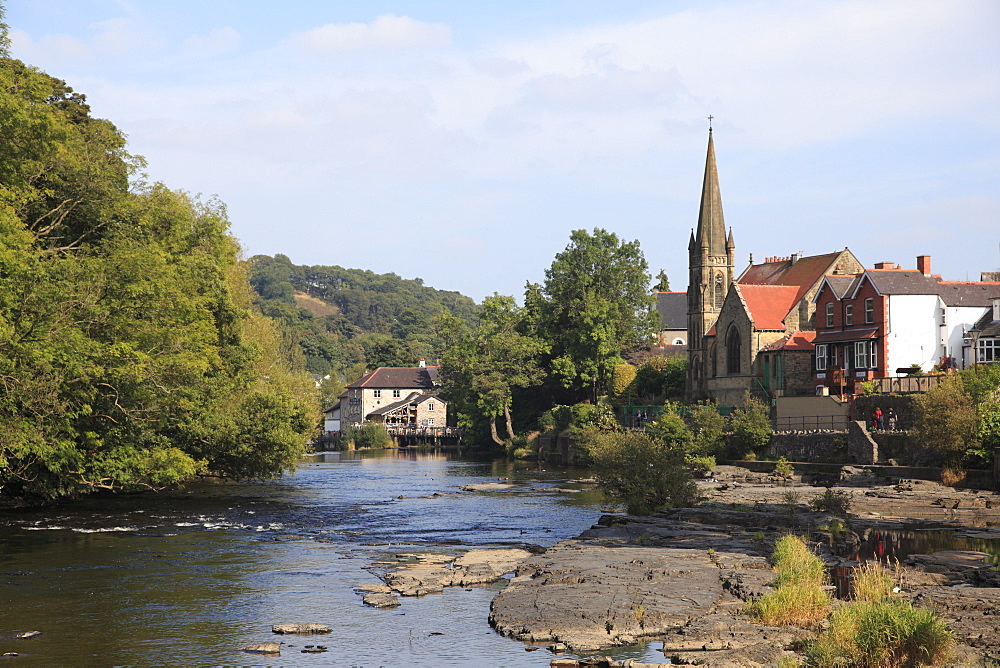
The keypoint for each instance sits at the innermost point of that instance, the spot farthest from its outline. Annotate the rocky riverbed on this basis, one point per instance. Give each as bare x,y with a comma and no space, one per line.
684,576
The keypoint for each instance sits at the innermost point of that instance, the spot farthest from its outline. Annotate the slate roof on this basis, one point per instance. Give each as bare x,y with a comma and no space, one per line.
768,305
912,282
797,340
840,285
672,307
398,377
986,326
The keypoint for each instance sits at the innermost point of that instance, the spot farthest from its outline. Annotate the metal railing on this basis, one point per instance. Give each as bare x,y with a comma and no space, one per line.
810,422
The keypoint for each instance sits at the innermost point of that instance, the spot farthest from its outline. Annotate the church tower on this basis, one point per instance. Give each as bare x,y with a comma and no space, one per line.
711,271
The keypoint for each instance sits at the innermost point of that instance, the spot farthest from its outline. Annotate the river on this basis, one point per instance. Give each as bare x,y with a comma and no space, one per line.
189,577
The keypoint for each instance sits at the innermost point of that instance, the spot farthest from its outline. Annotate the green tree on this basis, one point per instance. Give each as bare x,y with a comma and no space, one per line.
480,369
645,473
751,426
707,427
662,282
594,300
945,421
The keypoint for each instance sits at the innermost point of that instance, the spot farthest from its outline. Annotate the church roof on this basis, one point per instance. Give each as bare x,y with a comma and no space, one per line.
804,272
672,307
797,340
768,305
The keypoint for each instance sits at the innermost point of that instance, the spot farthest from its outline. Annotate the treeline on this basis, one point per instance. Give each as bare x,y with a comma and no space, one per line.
348,321
131,356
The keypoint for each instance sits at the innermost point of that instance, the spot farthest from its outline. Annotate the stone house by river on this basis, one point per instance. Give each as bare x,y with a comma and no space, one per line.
399,397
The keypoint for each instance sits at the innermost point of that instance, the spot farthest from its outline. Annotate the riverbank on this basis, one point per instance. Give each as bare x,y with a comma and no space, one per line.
684,576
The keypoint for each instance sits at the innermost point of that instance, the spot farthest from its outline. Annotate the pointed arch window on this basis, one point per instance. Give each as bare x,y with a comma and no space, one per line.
719,293
733,351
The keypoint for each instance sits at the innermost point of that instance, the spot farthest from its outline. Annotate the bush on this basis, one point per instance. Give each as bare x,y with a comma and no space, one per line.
782,468
798,598
370,435
644,474
700,465
946,421
835,503
751,426
706,426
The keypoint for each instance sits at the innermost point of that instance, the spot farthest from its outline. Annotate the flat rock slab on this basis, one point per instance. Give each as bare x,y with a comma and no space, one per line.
263,648
300,629
418,574
588,595
487,487
381,600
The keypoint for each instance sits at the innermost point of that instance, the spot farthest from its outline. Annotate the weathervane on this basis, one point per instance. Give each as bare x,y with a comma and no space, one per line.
710,117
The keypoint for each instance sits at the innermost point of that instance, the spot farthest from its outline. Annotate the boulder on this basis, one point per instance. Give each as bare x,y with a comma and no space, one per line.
379,600
263,648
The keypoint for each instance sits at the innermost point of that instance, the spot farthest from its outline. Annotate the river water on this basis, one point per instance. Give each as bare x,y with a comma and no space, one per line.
189,577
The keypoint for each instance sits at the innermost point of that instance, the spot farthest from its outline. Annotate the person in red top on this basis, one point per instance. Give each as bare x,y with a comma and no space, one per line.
877,421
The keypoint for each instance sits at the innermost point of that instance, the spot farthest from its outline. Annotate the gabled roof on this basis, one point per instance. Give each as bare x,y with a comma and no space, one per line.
768,305
896,282
804,273
414,398
398,378
839,285
672,307
797,340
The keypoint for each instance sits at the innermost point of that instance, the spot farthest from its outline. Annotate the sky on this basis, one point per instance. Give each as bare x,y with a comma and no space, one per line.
461,142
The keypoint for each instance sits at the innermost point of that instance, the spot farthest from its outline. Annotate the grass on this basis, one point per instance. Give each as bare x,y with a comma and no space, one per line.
798,597
877,630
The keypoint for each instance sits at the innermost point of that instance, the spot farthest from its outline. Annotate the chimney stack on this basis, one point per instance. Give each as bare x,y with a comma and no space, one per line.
883,265
423,362
924,264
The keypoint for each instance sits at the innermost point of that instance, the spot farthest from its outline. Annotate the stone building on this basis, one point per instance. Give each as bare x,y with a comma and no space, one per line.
398,396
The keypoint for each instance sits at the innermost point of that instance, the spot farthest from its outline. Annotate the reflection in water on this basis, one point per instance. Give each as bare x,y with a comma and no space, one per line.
189,577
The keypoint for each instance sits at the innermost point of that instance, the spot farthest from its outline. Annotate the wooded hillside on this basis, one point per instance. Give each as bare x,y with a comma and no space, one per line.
131,356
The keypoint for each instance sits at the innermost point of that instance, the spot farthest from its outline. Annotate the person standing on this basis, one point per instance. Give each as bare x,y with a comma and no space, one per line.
877,420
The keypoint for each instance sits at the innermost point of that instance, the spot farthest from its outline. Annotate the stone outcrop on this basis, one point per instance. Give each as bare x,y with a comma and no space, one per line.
300,629
417,574
272,648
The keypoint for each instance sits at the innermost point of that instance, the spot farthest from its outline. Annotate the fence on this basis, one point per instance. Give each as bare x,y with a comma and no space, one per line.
810,422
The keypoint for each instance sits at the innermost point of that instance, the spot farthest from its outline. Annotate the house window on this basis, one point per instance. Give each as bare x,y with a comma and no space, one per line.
396,394
849,314
865,355
733,351
821,357
987,351
869,310
829,314
430,405
430,422
377,394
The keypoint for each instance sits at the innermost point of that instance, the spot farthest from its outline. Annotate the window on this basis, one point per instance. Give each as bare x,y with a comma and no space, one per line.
987,350
719,296
821,357
396,394
869,310
829,314
430,422
849,314
430,405
377,394
733,351
865,355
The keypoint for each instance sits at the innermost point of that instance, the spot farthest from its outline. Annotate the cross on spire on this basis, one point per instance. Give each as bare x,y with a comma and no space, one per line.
710,117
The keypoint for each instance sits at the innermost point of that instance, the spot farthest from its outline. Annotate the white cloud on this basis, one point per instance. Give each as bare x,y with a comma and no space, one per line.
216,42
386,32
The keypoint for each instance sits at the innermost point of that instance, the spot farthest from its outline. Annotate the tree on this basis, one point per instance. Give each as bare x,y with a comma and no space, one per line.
662,282
643,472
751,426
945,420
594,300
480,369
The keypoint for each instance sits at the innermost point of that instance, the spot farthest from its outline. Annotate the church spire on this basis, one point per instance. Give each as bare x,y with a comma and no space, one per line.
711,233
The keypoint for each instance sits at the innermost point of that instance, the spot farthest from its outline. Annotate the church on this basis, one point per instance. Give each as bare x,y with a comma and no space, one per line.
752,332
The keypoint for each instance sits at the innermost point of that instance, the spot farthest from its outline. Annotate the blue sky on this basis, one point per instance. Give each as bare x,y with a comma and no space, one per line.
461,142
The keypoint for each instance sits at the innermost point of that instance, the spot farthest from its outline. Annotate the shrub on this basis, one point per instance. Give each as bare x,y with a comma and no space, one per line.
835,503
371,435
946,421
700,465
751,426
706,426
644,474
782,468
